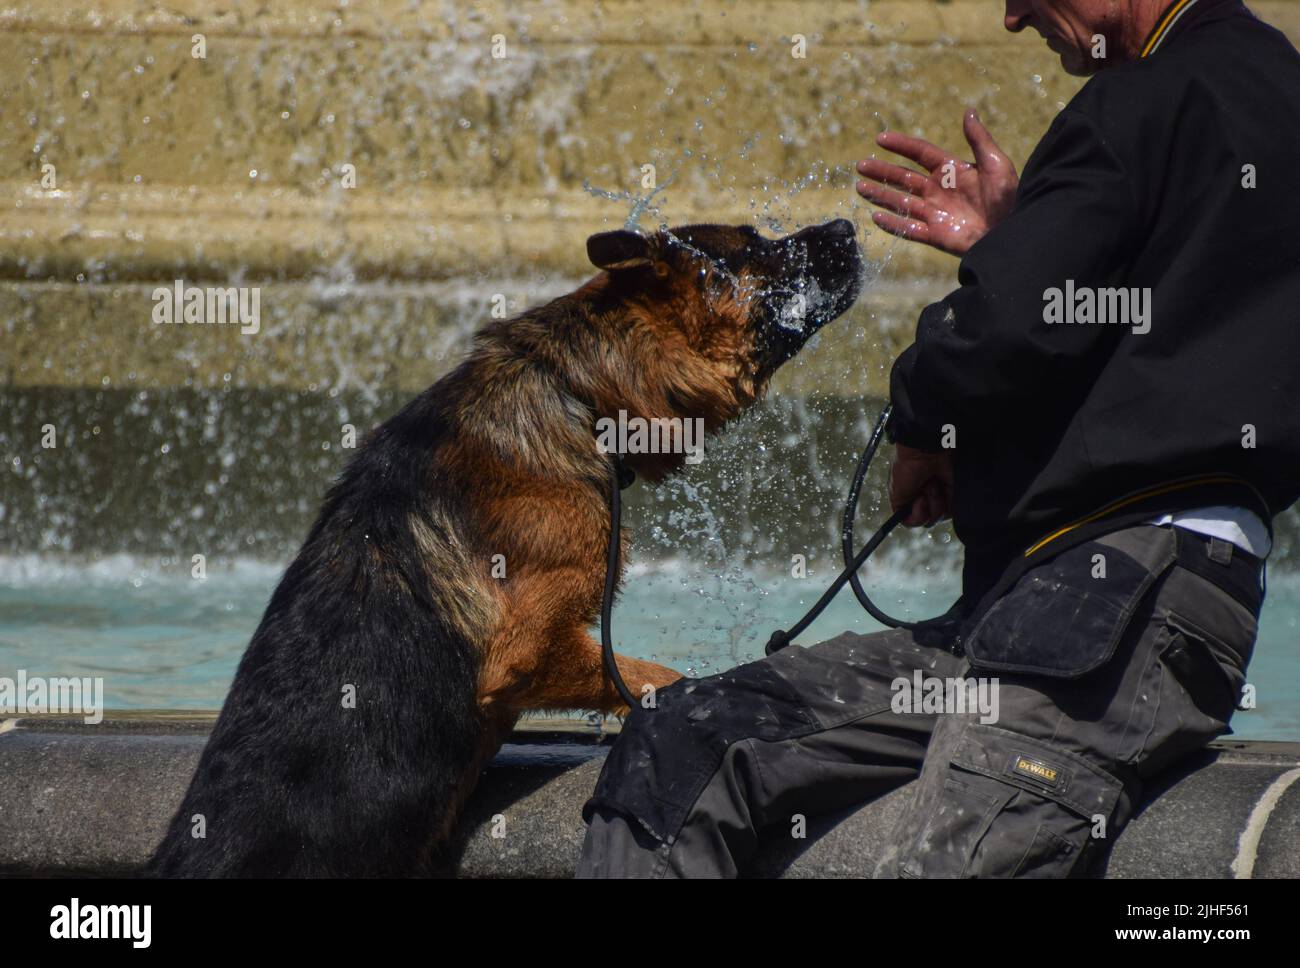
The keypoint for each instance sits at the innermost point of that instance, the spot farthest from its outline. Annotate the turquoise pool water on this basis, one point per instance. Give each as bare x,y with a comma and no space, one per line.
162,639
99,536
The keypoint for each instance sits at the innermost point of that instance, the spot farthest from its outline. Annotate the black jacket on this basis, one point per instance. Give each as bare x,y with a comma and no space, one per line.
1137,183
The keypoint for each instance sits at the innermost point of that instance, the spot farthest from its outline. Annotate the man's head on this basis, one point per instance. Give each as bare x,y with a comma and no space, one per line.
1087,35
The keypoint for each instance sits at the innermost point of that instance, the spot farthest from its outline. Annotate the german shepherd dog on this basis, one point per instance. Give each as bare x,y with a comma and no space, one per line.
450,580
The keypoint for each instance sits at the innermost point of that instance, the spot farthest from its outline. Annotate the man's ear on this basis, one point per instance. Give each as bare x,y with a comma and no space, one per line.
618,250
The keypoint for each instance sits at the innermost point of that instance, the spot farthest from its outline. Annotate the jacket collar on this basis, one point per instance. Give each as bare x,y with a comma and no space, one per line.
1180,14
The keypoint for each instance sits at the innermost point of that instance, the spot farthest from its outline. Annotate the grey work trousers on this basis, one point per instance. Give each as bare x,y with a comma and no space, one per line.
1104,675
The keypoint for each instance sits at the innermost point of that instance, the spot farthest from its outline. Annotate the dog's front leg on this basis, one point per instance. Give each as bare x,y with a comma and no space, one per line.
575,678
542,658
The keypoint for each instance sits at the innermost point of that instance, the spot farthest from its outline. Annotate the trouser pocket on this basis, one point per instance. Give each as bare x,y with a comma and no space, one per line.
1200,680
1065,617
1008,806
1208,670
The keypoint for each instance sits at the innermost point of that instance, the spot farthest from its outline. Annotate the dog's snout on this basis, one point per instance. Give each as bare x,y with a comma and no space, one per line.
834,230
833,240
841,228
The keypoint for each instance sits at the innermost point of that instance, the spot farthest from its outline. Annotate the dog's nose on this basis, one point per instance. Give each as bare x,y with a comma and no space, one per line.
841,227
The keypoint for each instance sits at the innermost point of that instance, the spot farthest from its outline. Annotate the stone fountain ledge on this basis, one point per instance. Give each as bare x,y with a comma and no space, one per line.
129,163
93,800
399,336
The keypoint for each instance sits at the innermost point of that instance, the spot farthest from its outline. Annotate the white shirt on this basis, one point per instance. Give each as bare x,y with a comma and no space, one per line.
1237,525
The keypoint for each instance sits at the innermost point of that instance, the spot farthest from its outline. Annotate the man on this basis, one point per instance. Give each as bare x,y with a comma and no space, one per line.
1109,408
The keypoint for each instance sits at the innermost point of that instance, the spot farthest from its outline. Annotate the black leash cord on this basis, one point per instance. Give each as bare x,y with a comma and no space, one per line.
611,578
850,512
780,638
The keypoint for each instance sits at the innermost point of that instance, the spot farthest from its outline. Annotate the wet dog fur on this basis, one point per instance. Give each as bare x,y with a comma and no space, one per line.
392,599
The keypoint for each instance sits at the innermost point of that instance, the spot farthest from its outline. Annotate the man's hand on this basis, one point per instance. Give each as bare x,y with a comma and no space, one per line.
925,476
920,207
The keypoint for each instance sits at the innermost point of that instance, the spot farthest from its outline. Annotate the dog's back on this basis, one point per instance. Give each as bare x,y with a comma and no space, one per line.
352,718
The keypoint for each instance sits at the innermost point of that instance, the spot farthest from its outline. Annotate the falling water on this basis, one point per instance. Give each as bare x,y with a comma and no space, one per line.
229,455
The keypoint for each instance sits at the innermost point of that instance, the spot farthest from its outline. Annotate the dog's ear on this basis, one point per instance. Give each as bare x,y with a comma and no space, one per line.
619,250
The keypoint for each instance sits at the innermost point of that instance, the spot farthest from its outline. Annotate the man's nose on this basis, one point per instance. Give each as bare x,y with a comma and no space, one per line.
1017,16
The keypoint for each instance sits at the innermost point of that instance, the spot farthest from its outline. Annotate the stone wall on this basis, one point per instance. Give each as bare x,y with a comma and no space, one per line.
475,174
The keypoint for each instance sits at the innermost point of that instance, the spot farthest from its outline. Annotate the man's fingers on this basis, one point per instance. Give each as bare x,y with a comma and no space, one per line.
920,513
927,510
926,155
904,227
921,481
981,142
888,173
938,501
899,202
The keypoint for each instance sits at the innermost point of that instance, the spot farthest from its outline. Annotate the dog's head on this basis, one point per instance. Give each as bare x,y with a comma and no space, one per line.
705,314
731,296
732,280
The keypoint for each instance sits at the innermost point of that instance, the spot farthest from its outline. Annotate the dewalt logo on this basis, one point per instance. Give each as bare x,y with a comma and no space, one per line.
1037,769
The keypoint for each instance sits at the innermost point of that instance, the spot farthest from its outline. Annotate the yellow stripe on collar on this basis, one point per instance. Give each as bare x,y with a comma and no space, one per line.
1174,12
1124,502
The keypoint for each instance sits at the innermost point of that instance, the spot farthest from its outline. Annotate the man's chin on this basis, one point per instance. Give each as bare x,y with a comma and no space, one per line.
1076,65
1073,61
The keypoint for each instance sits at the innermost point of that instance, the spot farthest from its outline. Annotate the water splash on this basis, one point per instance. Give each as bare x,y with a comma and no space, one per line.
640,204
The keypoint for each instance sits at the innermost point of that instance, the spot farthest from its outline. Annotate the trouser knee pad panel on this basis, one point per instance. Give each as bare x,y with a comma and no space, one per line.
666,756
